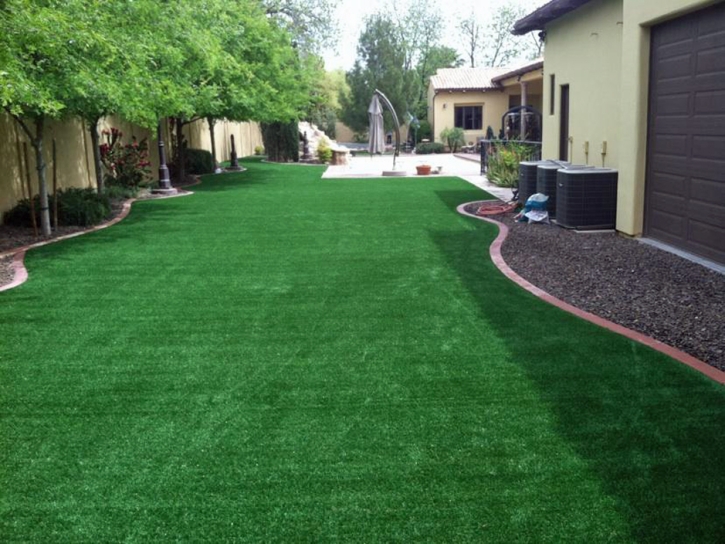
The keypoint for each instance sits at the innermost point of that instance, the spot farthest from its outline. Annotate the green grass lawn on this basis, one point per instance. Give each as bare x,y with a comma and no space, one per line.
284,358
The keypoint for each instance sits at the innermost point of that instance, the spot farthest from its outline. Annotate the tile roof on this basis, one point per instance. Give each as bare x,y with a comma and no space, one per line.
465,78
452,79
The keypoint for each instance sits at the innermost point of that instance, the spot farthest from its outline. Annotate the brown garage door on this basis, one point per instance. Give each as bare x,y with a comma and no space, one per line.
685,196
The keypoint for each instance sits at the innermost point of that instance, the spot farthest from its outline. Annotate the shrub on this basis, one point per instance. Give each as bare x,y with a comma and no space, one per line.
427,148
454,137
281,141
324,153
126,165
79,207
83,207
199,161
116,192
424,132
503,168
503,163
259,150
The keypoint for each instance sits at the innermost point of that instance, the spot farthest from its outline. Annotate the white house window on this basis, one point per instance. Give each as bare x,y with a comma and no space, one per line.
469,117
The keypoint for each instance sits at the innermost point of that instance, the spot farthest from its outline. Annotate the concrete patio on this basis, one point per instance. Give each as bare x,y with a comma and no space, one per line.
451,165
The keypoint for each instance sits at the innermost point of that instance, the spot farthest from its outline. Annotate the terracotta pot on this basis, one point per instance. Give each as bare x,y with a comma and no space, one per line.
423,169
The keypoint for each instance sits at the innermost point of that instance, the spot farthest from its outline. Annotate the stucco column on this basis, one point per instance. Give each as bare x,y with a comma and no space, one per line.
524,102
633,129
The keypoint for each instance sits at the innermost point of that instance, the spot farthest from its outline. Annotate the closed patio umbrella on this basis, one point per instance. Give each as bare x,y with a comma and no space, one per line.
377,136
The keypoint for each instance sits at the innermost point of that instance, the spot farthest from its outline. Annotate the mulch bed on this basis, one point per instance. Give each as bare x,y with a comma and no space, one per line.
625,281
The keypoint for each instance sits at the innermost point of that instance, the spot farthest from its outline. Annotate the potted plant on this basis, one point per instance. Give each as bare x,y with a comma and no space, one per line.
423,169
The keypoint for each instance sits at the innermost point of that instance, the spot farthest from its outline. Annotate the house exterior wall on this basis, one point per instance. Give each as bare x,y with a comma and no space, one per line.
584,51
75,155
602,51
442,106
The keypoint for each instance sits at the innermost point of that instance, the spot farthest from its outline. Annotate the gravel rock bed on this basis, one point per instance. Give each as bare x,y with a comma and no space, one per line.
6,272
651,291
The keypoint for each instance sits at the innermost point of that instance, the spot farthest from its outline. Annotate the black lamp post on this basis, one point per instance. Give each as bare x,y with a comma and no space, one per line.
164,180
233,161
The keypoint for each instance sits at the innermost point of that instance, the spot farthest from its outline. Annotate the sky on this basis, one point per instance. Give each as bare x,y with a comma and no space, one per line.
351,14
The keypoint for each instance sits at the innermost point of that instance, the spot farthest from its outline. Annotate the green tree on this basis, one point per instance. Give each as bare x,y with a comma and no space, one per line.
42,48
438,56
309,25
499,46
420,31
95,89
491,43
309,22
327,93
380,65
396,54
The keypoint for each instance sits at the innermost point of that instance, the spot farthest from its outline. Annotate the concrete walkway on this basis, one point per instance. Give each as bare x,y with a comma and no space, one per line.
451,165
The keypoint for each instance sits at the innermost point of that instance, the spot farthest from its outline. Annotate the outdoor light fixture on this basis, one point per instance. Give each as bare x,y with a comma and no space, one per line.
164,180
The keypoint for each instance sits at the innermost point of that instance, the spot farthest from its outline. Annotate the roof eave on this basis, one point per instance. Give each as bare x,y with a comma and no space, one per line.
466,89
538,19
520,71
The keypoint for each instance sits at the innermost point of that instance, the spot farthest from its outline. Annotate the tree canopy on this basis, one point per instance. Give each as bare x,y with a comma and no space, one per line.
396,54
490,42
148,59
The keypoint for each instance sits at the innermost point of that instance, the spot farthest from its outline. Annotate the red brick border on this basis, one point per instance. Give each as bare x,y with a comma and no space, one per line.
498,260
21,273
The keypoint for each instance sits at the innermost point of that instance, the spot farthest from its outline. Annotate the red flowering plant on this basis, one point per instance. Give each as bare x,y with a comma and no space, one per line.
127,165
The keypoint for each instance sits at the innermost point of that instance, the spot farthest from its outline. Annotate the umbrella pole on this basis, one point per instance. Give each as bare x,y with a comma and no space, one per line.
395,120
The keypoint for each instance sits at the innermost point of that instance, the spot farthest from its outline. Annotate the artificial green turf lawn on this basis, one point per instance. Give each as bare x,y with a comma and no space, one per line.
285,358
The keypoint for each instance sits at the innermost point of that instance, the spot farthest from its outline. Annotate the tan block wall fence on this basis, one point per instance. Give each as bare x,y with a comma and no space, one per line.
75,155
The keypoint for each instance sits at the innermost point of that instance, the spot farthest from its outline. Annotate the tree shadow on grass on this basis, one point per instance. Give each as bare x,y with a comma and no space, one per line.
648,426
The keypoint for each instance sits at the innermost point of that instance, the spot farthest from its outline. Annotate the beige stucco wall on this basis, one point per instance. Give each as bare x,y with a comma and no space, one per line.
602,51
584,51
442,105
74,151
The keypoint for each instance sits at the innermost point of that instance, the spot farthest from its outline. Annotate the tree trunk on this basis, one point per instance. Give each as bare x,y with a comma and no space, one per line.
36,140
180,151
95,143
42,182
212,122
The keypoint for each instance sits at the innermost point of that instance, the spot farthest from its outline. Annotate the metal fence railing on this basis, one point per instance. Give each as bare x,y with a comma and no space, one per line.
528,150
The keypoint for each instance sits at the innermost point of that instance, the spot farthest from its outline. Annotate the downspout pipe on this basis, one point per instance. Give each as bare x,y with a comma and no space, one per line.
395,120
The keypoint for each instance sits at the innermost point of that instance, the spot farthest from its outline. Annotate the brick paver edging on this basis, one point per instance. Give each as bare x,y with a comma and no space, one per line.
498,260
18,265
